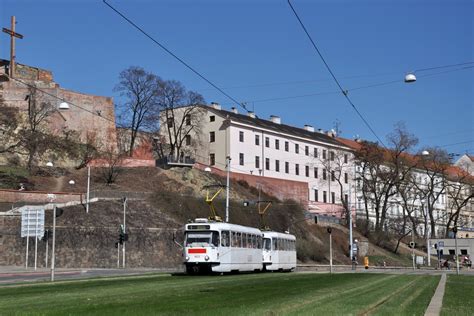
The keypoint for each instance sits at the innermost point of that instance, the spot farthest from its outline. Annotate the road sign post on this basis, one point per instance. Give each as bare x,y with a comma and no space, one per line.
32,225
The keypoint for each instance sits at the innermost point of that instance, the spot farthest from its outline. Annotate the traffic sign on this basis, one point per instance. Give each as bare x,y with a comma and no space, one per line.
32,223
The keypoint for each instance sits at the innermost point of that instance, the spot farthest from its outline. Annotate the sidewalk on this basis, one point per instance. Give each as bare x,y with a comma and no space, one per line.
434,309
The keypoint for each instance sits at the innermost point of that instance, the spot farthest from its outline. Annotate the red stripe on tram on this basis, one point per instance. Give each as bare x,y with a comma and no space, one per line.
197,250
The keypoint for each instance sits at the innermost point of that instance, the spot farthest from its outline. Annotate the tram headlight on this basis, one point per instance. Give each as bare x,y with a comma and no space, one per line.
187,258
206,258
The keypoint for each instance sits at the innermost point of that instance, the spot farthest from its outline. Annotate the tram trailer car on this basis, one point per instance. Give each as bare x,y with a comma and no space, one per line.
279,251
222,247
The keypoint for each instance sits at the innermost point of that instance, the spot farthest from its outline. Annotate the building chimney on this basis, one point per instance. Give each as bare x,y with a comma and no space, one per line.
216,105
234,110
309,128
275,119
251,114
320,130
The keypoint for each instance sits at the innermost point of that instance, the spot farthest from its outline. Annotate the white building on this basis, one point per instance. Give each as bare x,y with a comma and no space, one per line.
270,150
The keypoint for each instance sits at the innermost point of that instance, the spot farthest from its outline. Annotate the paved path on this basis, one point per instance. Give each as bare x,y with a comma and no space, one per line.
434,309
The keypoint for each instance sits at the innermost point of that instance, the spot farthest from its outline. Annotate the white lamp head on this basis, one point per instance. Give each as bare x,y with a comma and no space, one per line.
49,164
72,182
207,169
64,106
410,78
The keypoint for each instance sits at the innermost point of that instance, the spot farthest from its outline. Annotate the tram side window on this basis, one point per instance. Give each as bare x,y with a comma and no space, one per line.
244,240
215,239
267,243
275,243
225,240
259,242
239,240
234,239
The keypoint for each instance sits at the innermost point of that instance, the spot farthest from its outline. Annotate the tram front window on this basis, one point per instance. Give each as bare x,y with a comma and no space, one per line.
267,244
202,239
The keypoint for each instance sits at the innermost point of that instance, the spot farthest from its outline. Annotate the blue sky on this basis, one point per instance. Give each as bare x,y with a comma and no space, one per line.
257,51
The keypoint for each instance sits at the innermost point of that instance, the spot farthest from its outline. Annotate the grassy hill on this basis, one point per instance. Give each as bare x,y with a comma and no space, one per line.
167,199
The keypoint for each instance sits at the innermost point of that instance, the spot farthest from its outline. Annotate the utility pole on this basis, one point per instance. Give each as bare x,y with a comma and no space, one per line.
455,231
124,230
351,255
228,159
88,187
12,34
53,244
330,249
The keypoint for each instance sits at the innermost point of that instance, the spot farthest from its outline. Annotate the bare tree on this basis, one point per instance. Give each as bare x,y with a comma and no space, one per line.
382,171
112,164
180,117
337,166
9,123
460,193
140,88
34,137
433,163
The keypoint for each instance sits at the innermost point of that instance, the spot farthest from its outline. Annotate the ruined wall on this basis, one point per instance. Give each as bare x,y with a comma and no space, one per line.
96,116
13,196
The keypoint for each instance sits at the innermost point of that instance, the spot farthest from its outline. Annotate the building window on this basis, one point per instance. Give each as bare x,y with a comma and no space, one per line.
188,140
277,165
324,154
241,159
331,155
297,148
287,167
267,163
316,172
257,140
188,119
325,197
346,178
212,137
345,158
297,169
306,171
287,146
267,142
212,159
241,136
170,121
333,198
212,118
277,144
306,150
324,174
333,177
316,195
257,162
315,152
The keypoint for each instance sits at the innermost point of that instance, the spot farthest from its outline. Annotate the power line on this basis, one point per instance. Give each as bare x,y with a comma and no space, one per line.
446,66
344,92
460,143
175,56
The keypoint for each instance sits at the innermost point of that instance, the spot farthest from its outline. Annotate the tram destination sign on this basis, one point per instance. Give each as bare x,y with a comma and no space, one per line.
199,227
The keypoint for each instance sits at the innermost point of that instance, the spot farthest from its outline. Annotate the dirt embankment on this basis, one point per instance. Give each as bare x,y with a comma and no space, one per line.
173,197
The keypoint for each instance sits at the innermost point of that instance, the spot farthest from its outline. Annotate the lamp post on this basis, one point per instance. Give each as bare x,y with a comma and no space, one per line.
88,187
330,249
455,231
425,213
228,159
53,244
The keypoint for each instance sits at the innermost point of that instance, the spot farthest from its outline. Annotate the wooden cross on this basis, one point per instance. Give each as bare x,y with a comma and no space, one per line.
12,34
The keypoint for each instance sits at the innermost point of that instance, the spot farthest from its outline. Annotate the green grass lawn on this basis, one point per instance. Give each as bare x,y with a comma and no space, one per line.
459,295
258,294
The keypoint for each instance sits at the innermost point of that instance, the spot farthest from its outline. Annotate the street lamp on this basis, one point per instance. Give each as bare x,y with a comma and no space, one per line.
410,78
455,231
425,213
53,257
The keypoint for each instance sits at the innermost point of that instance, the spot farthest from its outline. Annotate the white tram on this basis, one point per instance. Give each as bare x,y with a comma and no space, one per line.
222,247
279,251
